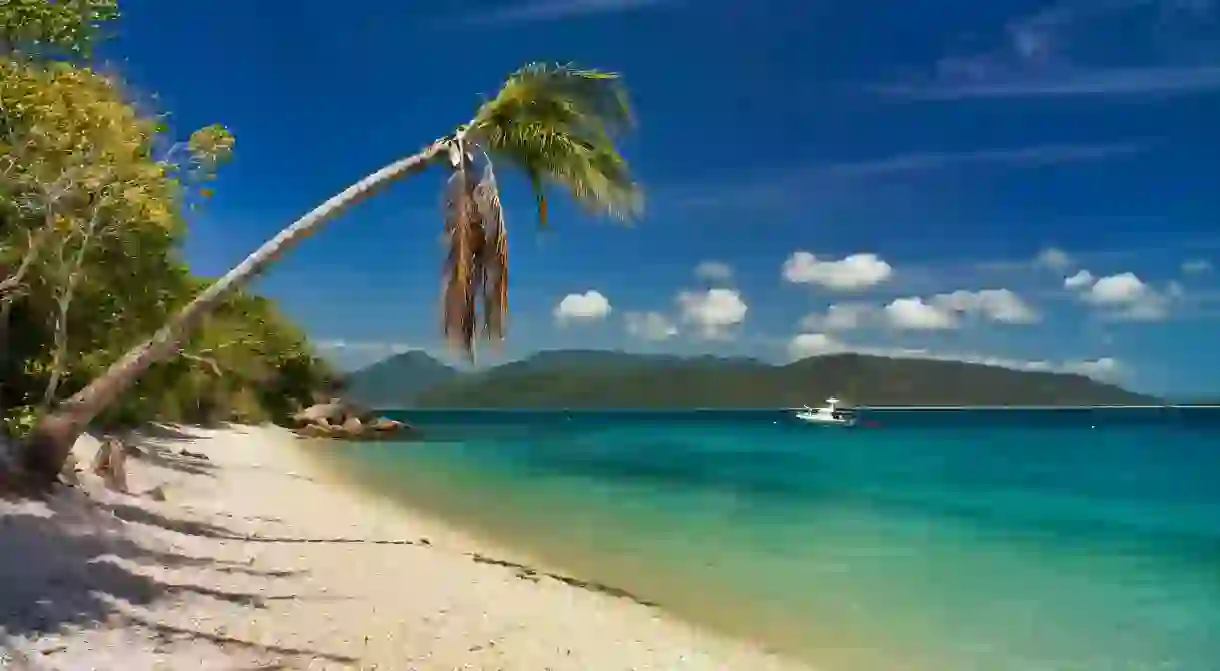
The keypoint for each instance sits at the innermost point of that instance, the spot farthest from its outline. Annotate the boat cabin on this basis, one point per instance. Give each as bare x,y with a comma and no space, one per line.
832,405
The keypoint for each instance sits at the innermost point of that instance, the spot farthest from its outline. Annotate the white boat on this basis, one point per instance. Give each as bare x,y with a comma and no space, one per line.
827,414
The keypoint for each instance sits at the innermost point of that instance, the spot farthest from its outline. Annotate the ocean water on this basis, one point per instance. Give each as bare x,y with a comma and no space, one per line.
1010,540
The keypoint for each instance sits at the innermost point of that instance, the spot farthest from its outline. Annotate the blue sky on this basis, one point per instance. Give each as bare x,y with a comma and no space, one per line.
879,176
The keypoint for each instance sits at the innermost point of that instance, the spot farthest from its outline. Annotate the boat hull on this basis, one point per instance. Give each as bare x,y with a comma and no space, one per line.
824,421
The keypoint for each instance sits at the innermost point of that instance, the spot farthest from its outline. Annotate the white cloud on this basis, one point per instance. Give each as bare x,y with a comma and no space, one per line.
944,311
806,345
818,344
1196,266
714,271
713,312
839,317
1105,368
1018,157
916,315
1123,296
999,305
1119,289
1053,258
851,273
1079,82
940,312
1080,280
650,325
590,305
1040,55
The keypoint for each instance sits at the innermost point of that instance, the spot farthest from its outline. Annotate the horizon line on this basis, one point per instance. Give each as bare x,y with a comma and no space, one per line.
585,409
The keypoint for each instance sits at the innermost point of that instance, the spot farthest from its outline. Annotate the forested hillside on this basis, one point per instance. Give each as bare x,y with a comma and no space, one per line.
600,379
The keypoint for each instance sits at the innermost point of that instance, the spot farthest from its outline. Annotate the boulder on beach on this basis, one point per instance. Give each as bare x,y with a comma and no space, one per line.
322,413
339,419
386,424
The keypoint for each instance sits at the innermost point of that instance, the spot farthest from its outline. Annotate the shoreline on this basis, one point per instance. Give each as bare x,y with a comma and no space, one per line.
533,548
456,538
260,555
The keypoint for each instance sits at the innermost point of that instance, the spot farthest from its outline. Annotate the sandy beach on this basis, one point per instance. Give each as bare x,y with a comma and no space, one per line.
256,559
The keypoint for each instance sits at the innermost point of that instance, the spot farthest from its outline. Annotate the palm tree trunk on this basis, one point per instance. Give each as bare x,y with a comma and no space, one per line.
43,452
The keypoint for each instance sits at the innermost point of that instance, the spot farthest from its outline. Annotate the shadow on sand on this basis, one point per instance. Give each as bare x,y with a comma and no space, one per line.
139,515
154,445
62,563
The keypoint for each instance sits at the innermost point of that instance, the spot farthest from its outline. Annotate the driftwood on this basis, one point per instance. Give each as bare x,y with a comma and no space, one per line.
68,473
101,458
110,463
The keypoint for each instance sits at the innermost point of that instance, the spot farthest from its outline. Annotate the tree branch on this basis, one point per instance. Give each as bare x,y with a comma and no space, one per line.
210,363
51,194
11,284
64,303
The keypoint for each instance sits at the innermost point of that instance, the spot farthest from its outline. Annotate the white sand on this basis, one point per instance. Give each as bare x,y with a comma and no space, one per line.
217,577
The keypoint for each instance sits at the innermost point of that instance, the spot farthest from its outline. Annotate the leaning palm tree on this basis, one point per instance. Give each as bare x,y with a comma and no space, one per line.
558,124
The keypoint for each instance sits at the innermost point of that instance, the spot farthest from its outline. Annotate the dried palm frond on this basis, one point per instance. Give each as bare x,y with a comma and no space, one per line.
494,260
557,124
463,267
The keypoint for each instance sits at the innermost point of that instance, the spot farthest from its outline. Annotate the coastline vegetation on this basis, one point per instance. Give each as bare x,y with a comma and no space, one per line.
89,182
94,206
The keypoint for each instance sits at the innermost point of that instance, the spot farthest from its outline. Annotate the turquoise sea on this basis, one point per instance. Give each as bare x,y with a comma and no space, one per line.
949,540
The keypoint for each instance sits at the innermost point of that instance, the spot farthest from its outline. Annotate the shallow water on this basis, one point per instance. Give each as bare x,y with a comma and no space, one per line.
928,541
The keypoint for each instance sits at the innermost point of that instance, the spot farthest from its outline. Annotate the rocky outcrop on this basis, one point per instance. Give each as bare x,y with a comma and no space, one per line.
347,421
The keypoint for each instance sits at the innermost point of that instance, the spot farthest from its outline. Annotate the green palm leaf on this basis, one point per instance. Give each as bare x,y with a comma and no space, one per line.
558,124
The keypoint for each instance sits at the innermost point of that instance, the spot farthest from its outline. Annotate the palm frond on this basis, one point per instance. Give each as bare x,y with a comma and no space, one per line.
494,260
558,124
462,272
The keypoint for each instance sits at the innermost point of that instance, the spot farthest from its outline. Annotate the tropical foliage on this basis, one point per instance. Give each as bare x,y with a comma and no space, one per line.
557,124
93,194
62,27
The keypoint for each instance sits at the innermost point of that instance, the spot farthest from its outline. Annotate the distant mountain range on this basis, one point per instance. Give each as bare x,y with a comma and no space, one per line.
607,379
398,380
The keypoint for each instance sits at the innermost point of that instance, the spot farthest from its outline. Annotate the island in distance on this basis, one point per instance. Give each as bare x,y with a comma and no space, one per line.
609,379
